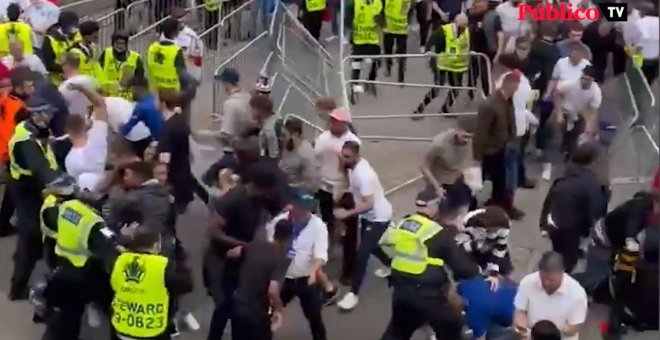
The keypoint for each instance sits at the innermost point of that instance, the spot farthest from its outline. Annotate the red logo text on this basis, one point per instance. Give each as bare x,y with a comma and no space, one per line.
563,12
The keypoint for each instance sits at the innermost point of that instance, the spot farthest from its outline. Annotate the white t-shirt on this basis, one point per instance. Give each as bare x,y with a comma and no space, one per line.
508,13
650,37
327,148
564,70
577,99
76,102
523,96
90,158
193,48
30,61
363,181
567,306
119,113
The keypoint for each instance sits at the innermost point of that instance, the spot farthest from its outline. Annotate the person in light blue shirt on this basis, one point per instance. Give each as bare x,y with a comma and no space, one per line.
487,311
146,109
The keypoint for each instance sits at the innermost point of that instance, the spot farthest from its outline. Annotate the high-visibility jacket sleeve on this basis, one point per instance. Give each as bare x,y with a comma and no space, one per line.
34,159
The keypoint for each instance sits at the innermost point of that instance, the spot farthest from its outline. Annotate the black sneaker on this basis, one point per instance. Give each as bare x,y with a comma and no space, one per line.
331,297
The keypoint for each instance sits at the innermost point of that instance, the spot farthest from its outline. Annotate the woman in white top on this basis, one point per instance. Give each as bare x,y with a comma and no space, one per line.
89,149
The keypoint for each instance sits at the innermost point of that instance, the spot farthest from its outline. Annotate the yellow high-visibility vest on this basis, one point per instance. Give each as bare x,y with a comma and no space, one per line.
49,202
22,134
12,31
365,28
455,57
410,251
74,224
113,70
89,64
161,66
59,48
396,16
315,5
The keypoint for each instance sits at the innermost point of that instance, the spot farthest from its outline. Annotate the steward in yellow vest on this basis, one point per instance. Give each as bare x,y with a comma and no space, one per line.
366,16
13,30
451,43
60,38
165,60
420,249
32,164
86,49
118,66
312,16
144,283
396,33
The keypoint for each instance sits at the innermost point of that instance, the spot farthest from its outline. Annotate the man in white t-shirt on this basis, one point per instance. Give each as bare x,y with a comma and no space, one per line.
119,113
18,58
374,211
89,148
550,294
75,100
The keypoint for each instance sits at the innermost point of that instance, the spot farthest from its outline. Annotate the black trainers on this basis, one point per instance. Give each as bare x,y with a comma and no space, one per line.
331,297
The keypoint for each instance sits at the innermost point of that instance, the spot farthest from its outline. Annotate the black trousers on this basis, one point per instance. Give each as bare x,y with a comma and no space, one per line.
479,71
571,137
493,167
310,302
365,50
397,43
211,18
439,78
7,209
224,306
250,320
349,241
413,307
313,21
421,11
566,241
650,70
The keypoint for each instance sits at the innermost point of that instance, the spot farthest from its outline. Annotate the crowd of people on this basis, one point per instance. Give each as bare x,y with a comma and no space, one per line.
97,149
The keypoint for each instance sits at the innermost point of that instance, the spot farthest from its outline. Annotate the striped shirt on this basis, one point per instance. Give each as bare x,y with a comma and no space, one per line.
489,248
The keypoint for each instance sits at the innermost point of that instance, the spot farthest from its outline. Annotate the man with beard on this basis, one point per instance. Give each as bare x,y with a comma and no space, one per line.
32,165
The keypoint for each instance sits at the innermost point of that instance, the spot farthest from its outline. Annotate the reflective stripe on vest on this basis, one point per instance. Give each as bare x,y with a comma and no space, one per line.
49,202
455,58
396,16
365,28
315,5
113,70
161,68
141,304
21,134
13,31
410,251
59,48
75,221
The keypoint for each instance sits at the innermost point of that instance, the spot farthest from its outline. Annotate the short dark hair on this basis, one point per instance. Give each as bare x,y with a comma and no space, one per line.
262,104
71,59
89,27
263,175
170,97
142,169
353,146
169,27
575,26
552,261
283,230
585,154
294,125
139,81
145,237
75,123
13,11
545,330
548,29
467,123
18,76
589,71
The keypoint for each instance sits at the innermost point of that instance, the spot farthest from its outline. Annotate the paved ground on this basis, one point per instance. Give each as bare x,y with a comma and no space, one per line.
395,162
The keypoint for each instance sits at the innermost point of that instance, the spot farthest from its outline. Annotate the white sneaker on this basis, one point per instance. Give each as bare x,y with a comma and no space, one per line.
191,321
358,88
428,331
547,171
345,41
93,317
348,302
383,272
331,38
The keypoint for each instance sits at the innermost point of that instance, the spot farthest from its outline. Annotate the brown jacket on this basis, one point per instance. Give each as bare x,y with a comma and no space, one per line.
496,126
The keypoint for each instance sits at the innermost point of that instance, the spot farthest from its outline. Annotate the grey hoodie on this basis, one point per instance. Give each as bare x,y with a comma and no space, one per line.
149,204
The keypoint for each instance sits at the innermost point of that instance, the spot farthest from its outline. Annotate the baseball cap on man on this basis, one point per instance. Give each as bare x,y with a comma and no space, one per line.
228,75
341,115
426,198
305,200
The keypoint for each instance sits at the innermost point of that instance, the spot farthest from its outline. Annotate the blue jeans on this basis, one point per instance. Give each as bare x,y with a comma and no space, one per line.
370,234
511,161
599,266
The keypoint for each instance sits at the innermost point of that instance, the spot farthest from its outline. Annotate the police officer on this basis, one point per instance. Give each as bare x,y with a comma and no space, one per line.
396,33
420,248
14,29
365,40
82,243
312,16
452,43
147,282
118,65
60,38
165,60
32,164
86,50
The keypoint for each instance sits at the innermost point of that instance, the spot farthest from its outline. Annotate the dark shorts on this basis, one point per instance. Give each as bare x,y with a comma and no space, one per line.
366,50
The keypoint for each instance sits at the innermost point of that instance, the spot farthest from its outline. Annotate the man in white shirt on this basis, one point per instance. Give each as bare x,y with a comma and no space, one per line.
76,102
649,43
308,253
550,294
512,27
89,148
18,58
374,211
327,149
189,41
119,113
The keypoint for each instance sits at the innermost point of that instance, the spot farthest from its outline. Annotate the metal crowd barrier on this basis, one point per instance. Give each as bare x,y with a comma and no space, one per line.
479,63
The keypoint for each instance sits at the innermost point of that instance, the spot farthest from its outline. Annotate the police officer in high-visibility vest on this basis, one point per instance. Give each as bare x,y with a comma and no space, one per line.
366,16
312,16
144,283
396,33
83,248
32,164
420,249
165,60
86,49
60,38
118,66
451,42
14,29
